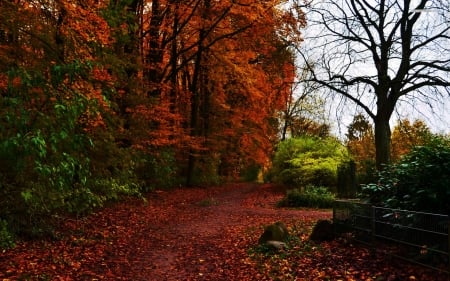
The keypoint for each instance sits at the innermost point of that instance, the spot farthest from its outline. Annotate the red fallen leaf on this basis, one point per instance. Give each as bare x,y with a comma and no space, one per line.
173,237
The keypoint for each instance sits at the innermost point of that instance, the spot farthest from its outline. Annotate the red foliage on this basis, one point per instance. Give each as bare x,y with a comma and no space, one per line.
188,234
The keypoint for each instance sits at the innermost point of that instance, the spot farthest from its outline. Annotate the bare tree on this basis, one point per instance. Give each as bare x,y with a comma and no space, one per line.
304,110
378,53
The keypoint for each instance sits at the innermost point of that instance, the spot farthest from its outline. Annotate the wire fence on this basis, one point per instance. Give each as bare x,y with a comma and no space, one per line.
418,237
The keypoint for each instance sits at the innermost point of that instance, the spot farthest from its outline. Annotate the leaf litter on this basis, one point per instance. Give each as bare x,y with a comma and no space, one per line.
199,234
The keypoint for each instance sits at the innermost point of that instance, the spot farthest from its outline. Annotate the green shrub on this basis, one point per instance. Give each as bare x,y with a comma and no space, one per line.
51,161
206,171
419,181
250,173
6,237
308,161
313,197
158,170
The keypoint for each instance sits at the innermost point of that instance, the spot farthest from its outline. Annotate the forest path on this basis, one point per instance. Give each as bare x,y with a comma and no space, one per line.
206,237
197,234
182,234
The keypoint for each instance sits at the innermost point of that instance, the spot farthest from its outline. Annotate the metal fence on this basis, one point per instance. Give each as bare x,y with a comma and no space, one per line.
418,237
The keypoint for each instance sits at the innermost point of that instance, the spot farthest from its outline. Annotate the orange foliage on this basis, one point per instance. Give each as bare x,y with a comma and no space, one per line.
406,135
231,68
204,77
361,143
47,37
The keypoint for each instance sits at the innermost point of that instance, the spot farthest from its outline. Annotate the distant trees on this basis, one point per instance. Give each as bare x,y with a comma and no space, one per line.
378,53
405,136
361,145
303,113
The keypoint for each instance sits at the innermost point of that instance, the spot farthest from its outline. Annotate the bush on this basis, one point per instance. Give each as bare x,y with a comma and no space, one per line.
206,171
55,158
6,237
419,181
314,197
251,173
158,170
308,161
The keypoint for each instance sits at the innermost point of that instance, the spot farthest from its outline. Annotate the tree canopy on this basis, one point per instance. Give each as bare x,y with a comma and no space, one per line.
103,98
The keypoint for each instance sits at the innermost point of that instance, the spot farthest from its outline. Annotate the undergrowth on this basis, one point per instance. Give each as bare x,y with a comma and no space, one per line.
311,196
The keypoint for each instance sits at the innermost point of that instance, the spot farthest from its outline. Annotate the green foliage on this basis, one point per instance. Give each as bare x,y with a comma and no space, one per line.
250,173
157,170
206,171
314,197
308,161
40,146
6,237
419,181
207,202
48,160
367,172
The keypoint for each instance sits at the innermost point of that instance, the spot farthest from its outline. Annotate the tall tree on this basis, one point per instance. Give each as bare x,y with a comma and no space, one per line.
378,53
214,70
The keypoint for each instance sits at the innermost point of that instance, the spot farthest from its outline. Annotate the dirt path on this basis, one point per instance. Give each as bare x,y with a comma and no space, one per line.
206,237
184,234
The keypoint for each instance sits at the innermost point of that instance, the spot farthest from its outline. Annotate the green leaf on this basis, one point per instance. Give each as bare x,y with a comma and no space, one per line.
26,195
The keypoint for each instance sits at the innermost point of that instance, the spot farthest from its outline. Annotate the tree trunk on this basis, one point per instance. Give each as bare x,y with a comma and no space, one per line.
155,54
174,59
197,90
285,125
382,140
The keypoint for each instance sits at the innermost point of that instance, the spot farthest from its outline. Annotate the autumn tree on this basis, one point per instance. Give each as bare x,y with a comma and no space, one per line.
407,135
55,107
212,73
360,142
378,53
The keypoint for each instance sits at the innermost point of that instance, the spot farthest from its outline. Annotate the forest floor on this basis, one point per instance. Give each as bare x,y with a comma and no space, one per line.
197,234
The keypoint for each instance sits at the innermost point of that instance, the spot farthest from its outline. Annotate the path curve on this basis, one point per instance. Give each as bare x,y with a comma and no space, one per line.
204,237
182,234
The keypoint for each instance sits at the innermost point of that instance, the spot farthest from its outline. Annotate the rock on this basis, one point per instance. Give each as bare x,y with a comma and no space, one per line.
274,232
322,231
276,244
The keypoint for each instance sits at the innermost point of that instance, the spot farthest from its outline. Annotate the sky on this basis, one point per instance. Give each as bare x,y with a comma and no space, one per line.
436,118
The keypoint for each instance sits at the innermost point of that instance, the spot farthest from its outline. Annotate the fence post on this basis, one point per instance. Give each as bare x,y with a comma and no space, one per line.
448,246
334,218
373,215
